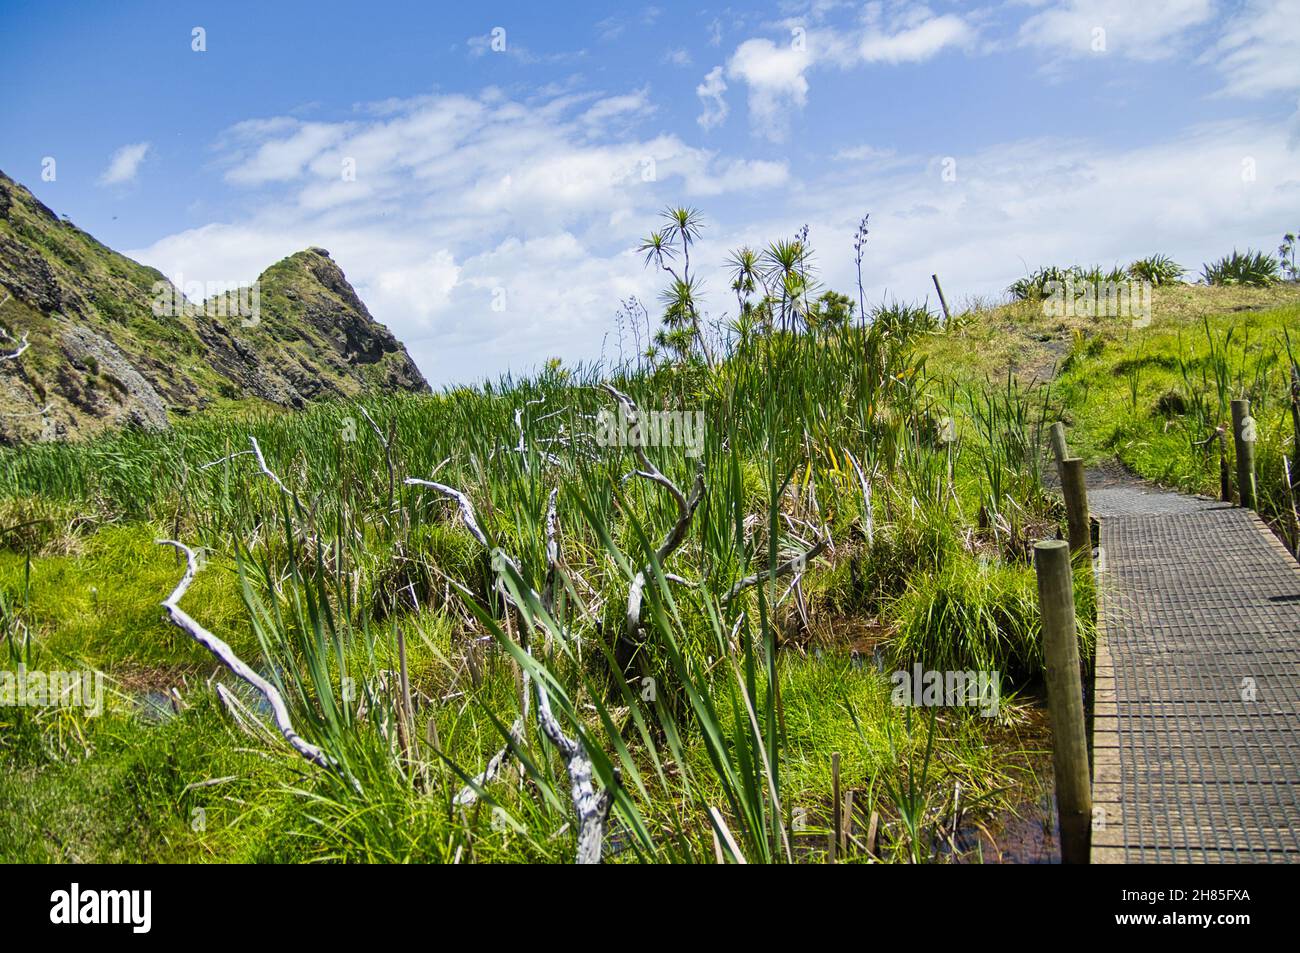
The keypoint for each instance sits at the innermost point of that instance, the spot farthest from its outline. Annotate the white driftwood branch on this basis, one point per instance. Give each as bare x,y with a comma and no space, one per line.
686,507
226,656
261,462
257,454
226,459
592,806
462,501
469,793
388,452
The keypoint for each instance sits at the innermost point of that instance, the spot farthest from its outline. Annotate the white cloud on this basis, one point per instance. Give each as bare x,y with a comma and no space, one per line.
711,96
459,196
1259,50
603,110
280,159
1146,30
915,43
455,196
423,288
125,164
774,75
737,175
1048,201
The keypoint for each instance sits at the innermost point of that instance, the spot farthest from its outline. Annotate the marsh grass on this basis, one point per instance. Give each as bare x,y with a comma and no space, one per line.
311,584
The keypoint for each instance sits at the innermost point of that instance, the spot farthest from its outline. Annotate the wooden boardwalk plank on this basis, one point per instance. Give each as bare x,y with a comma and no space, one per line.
1196,728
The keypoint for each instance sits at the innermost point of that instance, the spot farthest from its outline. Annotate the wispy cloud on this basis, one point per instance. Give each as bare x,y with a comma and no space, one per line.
711,96
916,43
1149,30
124,165
1259,50
775,73
456,198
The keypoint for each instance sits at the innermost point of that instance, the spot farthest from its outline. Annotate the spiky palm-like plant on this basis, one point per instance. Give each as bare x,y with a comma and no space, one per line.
1250,268
1157,269
682,228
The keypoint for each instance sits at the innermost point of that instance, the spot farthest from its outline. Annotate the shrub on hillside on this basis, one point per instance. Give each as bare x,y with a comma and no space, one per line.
1251,268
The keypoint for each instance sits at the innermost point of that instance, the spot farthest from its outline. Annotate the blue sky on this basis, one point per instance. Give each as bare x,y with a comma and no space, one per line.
499,193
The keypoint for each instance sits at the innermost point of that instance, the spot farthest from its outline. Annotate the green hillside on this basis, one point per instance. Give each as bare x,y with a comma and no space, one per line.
111,343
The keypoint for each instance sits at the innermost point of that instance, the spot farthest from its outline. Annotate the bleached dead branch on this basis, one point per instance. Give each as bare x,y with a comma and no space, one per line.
868,514
256,453
686,507
461,500
388,453
237,667
269,473
795,564
592,806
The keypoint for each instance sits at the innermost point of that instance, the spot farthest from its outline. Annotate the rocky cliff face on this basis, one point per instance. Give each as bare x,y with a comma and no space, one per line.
91,340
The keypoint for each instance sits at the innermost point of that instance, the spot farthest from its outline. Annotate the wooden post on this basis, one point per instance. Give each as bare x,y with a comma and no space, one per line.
942,300
1065,699
1075,490
837,809
846,834
1295,422
1293,516
1225,472
1243,433
1059,447
406,713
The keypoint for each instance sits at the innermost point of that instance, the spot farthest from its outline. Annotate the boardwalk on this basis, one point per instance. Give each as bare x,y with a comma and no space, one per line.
1196,734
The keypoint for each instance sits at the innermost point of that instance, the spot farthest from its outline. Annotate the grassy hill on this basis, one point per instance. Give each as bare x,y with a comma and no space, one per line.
111,343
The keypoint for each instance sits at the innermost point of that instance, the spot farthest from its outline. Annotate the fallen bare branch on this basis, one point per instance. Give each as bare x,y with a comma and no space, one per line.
237,667
868,513
592,806
462,501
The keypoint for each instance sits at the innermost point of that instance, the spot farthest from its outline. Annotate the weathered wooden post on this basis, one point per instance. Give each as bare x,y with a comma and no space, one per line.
1225,473
1075,490
943,302
836,808
846,831
1060,449
1293,515
1243,433
1295,420
1065,699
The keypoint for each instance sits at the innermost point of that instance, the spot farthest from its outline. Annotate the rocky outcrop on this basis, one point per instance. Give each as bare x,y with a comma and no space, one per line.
101,354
